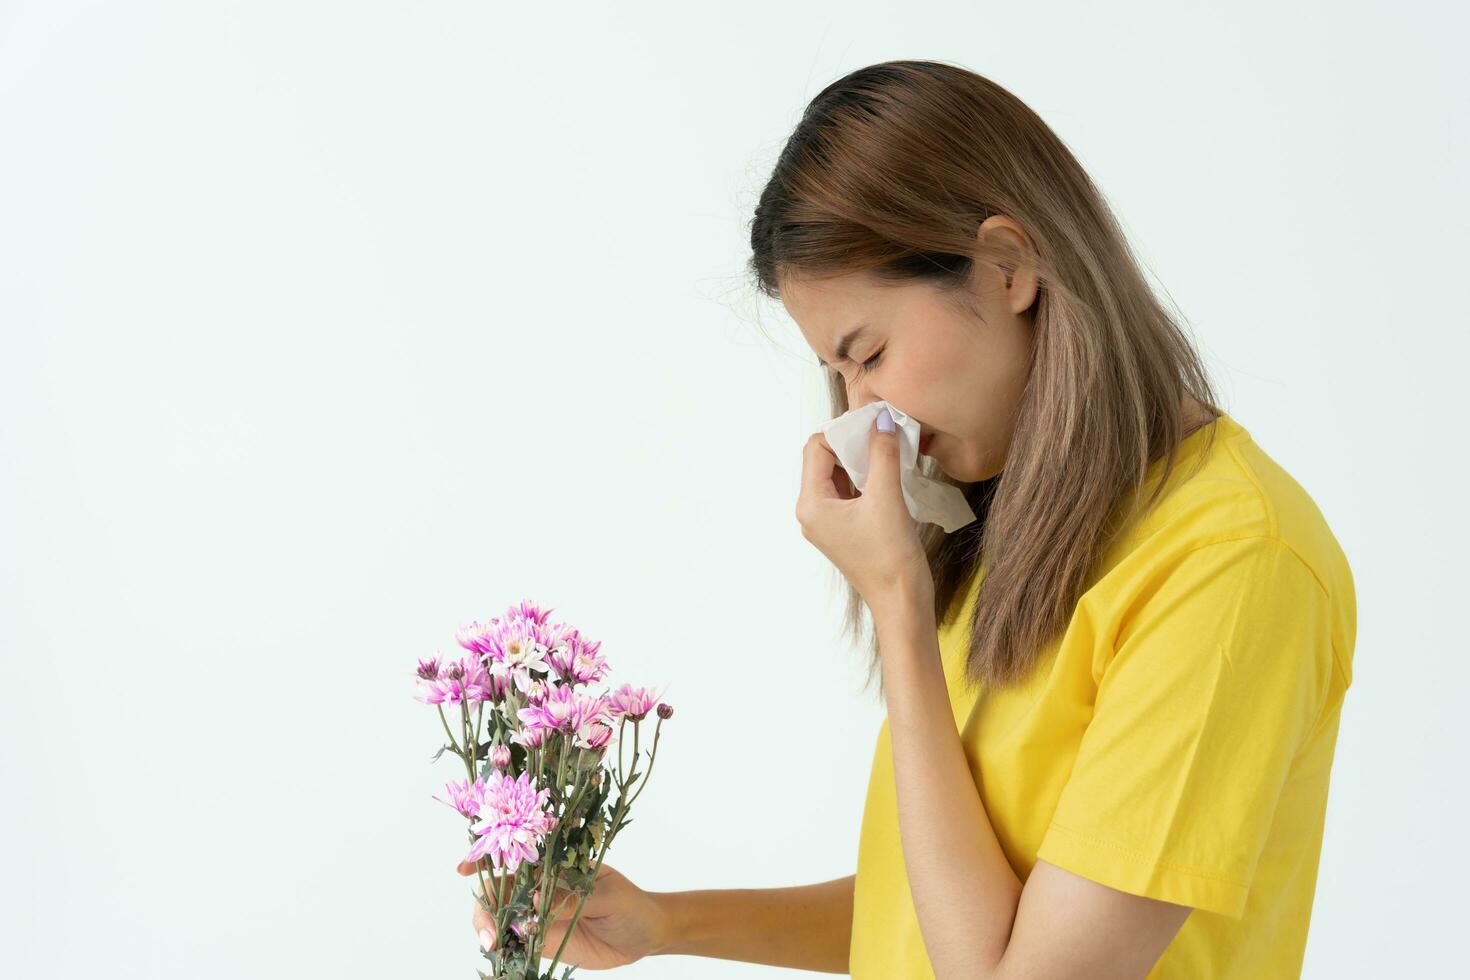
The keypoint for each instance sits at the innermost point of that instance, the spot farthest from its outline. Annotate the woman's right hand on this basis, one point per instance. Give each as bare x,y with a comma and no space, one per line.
620,922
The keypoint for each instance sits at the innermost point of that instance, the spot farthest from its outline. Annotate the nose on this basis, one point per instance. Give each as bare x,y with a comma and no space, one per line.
854,403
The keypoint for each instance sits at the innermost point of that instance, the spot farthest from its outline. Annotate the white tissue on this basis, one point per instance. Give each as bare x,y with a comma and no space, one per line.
928,500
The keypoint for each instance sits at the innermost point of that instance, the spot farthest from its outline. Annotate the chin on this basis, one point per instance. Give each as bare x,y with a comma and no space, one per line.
971,472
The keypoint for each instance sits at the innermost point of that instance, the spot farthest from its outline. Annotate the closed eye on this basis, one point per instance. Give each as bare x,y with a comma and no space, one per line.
868,364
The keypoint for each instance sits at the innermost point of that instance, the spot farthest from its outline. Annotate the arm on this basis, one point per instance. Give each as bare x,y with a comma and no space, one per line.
805,927
977,918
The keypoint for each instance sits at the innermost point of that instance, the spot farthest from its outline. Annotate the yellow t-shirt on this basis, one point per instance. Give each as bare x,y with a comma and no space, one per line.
1175,741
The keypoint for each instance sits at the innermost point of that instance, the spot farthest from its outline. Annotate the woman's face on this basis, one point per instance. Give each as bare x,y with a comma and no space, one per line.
959,378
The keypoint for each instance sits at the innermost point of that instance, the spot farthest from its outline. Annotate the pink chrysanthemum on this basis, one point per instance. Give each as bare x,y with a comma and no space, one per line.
500,756
530,737
464,680
633,702
512,822
595,730
589,666
499,685
465,798
481,637
553,711
477,637
566,710
574,659
598,736
535,691
528,611
521,647
516,651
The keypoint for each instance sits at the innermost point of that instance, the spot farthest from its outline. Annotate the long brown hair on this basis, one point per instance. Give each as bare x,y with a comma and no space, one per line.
890,172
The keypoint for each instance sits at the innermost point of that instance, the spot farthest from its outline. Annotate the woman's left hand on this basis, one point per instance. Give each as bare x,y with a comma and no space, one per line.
871,537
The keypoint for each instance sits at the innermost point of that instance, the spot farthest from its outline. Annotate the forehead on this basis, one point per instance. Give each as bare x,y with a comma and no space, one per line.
816,299
834,315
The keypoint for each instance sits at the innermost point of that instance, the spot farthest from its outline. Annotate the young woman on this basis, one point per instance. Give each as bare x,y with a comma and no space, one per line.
1112,759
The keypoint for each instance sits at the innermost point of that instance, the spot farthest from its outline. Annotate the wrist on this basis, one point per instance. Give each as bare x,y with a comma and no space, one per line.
907,606
669,922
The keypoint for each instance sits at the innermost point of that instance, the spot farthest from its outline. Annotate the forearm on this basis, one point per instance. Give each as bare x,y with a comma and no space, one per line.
964,890
804,927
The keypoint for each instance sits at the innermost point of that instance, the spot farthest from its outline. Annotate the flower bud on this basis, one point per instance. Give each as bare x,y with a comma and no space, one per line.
499,687
500,756
665,711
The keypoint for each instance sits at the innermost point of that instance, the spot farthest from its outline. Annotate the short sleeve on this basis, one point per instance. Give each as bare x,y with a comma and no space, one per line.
1219,671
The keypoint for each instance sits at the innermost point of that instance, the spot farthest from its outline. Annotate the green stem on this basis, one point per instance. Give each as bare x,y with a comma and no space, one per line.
485,888
570,811
470,740
547,871
652,754
624,802
471,762
622,724
452,743
606,843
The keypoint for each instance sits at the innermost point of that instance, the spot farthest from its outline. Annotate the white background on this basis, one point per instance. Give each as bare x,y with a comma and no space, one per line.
326,328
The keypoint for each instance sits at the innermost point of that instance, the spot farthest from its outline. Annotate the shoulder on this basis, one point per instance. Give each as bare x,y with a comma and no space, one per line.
1232,490
1233,531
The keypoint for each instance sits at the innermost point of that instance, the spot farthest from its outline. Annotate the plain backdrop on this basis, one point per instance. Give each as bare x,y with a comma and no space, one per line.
326,328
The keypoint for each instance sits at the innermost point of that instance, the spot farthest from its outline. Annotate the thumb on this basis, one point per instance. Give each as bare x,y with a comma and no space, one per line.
883,467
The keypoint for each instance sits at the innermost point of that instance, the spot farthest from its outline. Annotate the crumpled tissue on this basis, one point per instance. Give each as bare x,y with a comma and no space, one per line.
928,500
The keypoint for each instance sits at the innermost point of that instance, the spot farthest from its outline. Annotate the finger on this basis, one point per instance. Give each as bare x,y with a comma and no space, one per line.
496,885
469,869
883,459
481,919
842,480
566,902
819,468
472,868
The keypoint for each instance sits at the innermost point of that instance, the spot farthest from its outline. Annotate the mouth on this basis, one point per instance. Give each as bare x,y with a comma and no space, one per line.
925,441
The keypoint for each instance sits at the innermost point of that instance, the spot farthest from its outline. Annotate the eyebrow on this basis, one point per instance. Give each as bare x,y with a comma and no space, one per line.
845,344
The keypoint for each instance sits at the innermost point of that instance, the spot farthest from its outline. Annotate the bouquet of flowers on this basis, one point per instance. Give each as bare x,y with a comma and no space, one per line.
536,789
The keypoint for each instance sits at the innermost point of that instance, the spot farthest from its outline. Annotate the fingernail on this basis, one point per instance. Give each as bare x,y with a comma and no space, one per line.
486,940
885,420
